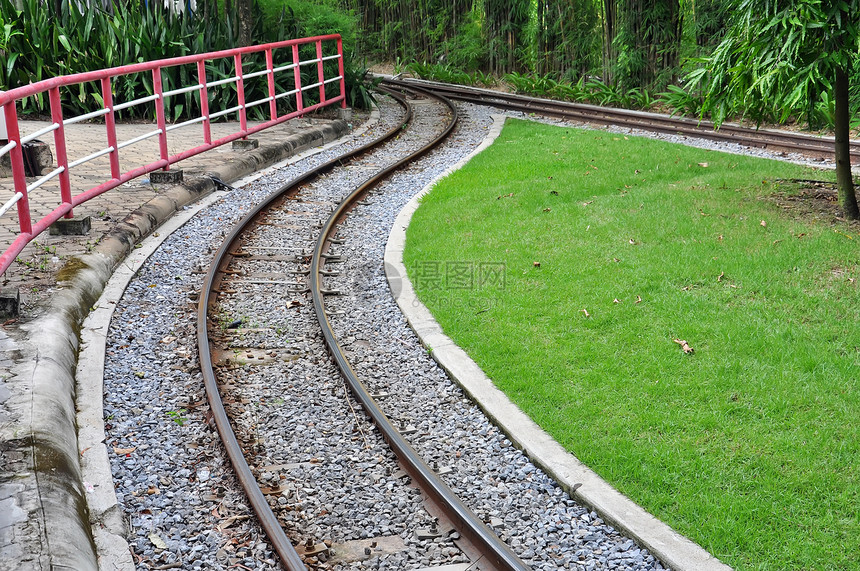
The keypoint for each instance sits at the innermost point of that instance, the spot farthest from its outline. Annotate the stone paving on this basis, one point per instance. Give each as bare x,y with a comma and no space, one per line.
35,267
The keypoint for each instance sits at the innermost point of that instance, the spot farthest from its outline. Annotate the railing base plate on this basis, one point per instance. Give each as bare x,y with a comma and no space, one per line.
166,177
10,302
246,144
71,226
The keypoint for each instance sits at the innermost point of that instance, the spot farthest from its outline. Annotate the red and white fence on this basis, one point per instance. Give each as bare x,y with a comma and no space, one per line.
281,58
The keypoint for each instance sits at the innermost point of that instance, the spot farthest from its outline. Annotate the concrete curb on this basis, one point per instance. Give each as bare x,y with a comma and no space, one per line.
578,480
68,533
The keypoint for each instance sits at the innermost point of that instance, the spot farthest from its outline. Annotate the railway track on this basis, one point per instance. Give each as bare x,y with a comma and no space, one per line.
778,141
338,495
255,261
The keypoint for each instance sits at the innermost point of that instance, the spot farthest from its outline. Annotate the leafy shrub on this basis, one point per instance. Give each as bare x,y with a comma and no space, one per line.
449,74
680,101
36,44
592,90
360,84
467,49
286,19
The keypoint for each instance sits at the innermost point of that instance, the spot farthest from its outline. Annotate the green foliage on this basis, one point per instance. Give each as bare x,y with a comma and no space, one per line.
467,49
566,37
360,84
778,59
411,30
178,416
593,91
681,101
710,23
286,19
35,45
507,27
450,74
647,42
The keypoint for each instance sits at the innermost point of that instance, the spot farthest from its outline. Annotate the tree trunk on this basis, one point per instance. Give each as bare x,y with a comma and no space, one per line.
609,30
847,196
246,22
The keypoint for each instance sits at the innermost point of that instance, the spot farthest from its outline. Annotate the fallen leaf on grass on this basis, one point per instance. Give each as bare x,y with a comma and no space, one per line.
703,165
547,209
536,264
585,311
616,300
638,299
763,224
720,277
687,349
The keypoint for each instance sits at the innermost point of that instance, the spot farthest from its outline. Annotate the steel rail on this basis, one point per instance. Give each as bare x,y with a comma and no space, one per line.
494,552
727,132
268,521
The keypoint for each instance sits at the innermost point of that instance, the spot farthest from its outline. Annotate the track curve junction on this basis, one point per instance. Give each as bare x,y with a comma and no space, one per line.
778,141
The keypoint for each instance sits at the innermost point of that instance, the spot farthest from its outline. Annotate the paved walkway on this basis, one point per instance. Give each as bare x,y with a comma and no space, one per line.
34,272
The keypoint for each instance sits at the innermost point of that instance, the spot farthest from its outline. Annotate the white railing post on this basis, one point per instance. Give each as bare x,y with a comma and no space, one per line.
3,134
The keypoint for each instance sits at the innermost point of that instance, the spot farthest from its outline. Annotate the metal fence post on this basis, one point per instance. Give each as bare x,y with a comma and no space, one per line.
159,116
204,102
4,135
298,76
60,143
340,72
16,156
270,77
110,125
240,91
320,73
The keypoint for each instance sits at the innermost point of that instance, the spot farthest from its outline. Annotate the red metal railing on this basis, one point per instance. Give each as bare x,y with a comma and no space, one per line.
9,105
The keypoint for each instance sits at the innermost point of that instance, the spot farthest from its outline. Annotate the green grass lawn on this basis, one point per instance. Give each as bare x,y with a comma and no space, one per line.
612,248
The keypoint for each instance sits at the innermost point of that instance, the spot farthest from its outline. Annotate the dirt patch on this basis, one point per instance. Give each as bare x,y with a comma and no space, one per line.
817,200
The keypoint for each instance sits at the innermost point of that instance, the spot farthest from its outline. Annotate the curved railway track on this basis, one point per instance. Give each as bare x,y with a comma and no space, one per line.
314,212
778,141
242,254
